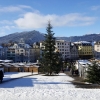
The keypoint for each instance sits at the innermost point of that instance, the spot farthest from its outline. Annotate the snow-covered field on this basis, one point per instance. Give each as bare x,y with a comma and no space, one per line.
39,87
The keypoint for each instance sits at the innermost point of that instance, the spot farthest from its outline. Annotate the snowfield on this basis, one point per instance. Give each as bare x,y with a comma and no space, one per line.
39,87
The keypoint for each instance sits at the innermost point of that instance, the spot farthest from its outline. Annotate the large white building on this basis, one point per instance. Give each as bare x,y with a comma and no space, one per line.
64,48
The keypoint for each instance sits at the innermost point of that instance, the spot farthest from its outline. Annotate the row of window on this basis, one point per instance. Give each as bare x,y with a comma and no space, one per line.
63,46
62,43
85,52
63,49
65,52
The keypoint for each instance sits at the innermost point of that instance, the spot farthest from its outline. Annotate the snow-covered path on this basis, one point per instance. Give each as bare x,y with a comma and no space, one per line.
38,87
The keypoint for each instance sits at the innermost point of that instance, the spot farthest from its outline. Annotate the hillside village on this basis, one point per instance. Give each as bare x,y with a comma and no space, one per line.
16,55
22,52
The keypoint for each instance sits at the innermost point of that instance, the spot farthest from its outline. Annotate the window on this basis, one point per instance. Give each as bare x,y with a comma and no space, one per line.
21,50
97,49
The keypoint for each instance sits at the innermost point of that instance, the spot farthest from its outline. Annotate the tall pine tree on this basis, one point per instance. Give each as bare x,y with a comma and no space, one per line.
93,74
51,60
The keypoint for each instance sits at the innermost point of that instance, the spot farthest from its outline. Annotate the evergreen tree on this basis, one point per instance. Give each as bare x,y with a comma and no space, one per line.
57,62
93,74
50,59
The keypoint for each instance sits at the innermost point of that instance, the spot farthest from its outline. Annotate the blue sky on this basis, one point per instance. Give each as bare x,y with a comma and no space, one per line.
68,17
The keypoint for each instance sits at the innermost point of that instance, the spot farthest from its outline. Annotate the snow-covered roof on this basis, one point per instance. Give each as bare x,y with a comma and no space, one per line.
6,65
7,61
84,62
81,42
36,66
1,60
21,64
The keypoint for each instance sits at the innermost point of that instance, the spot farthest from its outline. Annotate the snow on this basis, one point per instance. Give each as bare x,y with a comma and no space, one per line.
82,42
40,87
84,62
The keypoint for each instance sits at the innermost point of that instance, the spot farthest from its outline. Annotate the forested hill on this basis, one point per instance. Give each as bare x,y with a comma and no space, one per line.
35,36
28,36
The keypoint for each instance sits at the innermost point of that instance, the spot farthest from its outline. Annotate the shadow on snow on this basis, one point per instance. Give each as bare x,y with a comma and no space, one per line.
21,82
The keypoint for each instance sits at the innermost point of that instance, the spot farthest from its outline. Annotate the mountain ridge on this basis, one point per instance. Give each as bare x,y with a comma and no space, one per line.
35,36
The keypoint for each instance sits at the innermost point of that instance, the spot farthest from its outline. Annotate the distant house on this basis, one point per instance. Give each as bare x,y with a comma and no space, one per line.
19,67
82,66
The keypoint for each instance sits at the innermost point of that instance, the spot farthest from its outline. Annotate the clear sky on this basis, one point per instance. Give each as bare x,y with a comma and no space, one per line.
68,17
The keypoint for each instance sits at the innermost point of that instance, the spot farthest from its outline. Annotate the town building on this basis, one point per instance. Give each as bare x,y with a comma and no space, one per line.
34,53
82,67
74,51
3,53
97,49
22,52
85,49
63,47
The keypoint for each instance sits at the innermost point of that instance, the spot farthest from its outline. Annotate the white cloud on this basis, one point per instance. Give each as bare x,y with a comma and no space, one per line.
6,22
7,27
95,7
4,30
14,8
37,20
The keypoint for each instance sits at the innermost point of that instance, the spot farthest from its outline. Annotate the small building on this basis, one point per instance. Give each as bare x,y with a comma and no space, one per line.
82,66
19,67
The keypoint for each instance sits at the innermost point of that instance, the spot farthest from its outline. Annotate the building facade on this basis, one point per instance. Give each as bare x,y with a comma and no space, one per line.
97,49
85,49
74,51
23,52
63,47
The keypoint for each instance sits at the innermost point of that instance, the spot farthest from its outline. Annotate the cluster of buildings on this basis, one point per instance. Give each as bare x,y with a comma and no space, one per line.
22,52
74,50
